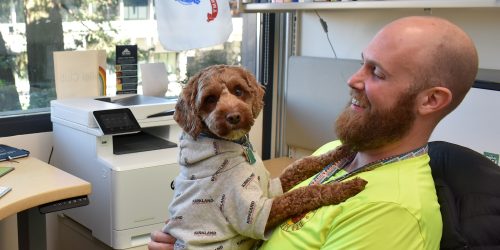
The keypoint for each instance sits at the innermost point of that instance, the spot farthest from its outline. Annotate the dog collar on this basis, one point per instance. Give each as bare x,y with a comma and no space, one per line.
243,141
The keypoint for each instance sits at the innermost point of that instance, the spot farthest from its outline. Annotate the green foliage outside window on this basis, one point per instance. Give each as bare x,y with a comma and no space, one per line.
31,30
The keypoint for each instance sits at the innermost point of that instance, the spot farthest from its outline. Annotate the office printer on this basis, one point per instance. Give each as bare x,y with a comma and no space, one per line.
125,146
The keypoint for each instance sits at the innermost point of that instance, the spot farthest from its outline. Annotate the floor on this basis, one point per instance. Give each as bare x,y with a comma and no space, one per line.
63,233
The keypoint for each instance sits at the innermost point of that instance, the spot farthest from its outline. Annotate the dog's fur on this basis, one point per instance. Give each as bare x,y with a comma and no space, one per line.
224,101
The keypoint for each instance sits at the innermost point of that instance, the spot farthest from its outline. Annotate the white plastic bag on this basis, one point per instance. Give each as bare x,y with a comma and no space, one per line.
191,24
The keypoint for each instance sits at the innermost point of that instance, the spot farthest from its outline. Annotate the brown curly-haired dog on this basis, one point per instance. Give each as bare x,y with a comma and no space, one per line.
221,102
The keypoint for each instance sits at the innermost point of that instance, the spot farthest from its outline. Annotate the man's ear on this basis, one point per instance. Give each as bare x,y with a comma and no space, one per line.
433,100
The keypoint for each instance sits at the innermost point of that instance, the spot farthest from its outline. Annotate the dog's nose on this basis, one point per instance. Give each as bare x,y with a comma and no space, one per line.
233,118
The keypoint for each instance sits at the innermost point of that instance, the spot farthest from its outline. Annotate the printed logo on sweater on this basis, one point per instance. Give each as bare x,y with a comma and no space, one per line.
251,209
222,202
248,180
205,233
221,206
202,201
296,223
175,220
216,148
242,241
219,170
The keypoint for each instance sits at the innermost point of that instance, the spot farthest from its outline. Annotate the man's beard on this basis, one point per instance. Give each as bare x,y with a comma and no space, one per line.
371,129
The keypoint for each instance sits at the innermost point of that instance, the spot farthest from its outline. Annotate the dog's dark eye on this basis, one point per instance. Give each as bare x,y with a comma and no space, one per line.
210,99
238,92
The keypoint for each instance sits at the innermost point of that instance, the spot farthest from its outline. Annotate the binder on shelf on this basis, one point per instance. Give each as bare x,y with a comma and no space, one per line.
9,153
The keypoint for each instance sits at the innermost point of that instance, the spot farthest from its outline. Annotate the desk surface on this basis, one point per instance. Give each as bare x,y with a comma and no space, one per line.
34,183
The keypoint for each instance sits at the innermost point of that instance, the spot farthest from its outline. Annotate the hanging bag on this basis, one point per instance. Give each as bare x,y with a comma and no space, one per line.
192,24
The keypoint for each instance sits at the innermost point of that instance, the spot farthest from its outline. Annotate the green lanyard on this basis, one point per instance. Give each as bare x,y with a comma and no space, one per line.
333,168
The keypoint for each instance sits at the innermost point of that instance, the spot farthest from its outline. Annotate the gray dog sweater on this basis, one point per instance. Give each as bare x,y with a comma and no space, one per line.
221,200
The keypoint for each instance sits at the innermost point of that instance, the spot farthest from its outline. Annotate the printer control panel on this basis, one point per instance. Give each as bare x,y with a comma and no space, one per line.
116,121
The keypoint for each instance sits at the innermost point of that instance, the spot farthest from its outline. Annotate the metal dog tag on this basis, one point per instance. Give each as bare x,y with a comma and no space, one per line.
249,155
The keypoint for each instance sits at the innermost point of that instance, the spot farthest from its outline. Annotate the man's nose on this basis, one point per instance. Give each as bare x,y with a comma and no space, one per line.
357,80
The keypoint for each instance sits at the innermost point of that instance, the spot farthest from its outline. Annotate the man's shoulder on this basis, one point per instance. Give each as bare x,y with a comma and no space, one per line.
327,147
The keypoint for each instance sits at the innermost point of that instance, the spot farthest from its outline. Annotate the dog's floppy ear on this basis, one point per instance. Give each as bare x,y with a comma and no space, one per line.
185,109
257,92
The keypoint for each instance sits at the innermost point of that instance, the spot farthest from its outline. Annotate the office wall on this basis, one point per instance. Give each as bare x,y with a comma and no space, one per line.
351,30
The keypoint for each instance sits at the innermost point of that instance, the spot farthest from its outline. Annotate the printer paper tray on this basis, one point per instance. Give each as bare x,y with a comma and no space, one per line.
139,142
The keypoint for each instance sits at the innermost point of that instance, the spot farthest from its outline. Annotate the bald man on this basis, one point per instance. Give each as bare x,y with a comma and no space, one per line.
415,71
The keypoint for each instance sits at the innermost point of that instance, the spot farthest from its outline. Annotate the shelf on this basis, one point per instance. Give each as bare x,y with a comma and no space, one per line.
390,4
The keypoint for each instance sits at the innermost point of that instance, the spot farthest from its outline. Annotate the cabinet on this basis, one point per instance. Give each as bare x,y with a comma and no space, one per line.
388,4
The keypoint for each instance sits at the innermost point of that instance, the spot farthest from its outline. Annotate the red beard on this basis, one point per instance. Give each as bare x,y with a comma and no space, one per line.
371,129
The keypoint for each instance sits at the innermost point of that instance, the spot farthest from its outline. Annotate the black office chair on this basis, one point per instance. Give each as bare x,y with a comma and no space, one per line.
468,189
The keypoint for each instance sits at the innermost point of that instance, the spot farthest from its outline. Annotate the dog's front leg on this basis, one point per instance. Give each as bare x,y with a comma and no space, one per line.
308,166
308,198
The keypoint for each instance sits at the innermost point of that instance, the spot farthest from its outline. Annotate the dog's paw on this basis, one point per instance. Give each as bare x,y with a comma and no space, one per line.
341,191
355,185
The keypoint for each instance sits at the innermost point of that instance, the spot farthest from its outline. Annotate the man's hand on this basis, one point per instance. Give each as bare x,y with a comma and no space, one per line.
161,241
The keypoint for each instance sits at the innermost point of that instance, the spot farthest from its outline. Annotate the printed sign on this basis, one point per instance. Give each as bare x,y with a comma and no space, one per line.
126,69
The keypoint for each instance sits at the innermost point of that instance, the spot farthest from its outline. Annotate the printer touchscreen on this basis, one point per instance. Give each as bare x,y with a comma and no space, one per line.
116,121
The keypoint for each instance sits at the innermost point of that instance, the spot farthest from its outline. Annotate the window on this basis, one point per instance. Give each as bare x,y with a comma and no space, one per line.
135,9
27,44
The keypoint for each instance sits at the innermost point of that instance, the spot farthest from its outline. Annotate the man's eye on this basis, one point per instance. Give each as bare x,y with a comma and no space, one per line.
377,73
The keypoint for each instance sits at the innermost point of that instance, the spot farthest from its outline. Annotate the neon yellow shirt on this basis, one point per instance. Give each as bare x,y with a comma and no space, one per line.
397,210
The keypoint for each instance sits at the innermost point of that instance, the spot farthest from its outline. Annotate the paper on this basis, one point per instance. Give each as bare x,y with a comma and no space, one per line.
5,170
80,73
154,79
4,190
